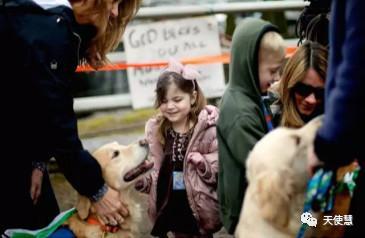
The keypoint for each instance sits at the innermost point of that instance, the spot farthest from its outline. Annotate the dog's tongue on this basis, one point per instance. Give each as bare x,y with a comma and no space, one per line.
140,169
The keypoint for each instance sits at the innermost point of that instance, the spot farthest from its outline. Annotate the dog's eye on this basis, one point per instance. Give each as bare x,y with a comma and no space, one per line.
115,153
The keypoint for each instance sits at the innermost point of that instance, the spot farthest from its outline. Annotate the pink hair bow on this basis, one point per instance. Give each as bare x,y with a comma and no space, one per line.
188,71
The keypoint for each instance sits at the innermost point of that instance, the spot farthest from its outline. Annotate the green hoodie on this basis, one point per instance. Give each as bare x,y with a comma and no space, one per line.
241,121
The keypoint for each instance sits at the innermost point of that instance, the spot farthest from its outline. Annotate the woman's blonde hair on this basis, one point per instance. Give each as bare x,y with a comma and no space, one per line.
110,29
185,85
310,55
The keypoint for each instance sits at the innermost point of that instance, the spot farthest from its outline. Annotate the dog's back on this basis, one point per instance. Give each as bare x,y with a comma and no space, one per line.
277,177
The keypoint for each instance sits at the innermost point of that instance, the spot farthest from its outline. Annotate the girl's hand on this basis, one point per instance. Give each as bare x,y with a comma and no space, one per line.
197,160
36,185
139,185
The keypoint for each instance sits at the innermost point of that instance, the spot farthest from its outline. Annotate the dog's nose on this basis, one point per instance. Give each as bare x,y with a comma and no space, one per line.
143,143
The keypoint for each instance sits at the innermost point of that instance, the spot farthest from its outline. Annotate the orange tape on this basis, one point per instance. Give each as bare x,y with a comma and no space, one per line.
223,58
290,51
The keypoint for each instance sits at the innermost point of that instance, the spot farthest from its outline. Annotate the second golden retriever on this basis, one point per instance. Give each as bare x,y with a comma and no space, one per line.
277,177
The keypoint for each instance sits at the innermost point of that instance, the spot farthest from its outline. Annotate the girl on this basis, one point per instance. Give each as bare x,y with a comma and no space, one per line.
183,145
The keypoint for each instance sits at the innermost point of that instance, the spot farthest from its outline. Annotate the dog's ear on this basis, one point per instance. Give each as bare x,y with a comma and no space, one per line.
254,166
83,207
250,168
309,130
274,191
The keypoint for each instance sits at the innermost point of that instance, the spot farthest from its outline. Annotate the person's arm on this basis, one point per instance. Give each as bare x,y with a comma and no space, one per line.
340,138
39,168
207,163
55,102
155,151
79,167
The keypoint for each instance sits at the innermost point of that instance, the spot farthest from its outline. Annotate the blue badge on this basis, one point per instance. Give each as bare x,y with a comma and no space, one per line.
178,180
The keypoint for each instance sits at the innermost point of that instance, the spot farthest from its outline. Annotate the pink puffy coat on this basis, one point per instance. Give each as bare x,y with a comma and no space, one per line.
200,183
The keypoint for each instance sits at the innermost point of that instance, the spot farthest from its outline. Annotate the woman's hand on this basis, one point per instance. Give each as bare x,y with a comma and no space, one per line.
36,185
109,209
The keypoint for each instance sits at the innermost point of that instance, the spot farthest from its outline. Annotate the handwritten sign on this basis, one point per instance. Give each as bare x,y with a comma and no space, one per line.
183,38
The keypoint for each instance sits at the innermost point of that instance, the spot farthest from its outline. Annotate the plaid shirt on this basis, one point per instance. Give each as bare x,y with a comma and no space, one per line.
266,101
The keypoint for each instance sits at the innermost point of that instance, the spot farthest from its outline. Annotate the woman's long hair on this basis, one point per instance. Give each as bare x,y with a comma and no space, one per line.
110,29
309,55
185,85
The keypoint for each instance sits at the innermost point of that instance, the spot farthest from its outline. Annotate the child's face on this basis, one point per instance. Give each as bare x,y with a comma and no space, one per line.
176,105
269,67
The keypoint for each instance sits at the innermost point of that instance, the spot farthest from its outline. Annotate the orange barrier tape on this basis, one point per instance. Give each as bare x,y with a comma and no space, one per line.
290,51
223,58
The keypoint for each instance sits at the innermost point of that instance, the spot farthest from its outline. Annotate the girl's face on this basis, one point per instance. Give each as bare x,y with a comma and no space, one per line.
309,93
176,105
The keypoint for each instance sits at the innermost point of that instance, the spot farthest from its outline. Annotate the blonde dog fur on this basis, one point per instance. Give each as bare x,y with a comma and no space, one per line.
277,177
116,161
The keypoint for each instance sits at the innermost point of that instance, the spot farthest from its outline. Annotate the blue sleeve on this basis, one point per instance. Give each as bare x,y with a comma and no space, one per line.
340,138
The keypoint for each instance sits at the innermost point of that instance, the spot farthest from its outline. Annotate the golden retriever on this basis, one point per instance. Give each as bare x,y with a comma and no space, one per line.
122,166
277,178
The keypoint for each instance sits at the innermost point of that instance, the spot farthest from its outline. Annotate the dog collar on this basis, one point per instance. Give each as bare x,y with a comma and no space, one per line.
106,228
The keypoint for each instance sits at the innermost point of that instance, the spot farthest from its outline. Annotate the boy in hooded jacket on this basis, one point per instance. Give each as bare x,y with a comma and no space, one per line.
257,54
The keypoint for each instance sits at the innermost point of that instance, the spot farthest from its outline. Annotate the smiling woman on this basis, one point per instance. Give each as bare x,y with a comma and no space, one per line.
302,85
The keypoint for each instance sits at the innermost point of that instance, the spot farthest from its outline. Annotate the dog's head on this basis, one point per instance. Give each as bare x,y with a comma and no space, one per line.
276,170
121,167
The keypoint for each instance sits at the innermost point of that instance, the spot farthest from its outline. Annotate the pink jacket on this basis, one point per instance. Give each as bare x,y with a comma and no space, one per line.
201,184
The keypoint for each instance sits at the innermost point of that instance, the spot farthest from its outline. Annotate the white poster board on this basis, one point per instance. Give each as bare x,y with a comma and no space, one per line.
183,38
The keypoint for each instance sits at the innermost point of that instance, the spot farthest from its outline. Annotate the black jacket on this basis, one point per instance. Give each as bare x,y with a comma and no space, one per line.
39,52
